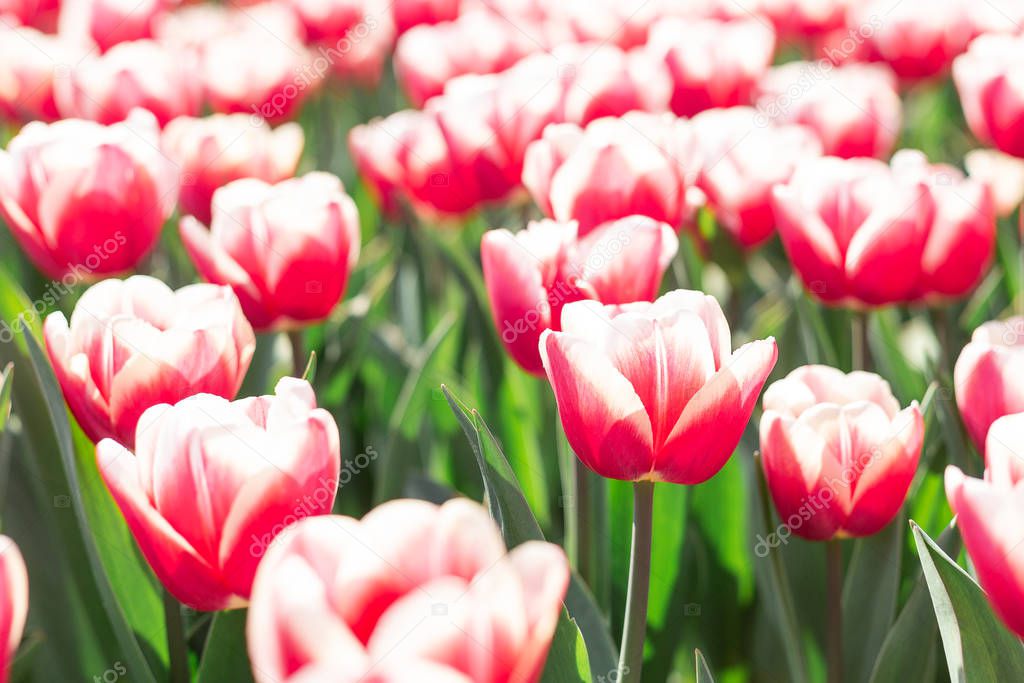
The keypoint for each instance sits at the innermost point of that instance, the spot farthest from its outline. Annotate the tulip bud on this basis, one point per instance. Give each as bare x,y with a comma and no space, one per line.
109,22
31,62
13,603
985,376
990,91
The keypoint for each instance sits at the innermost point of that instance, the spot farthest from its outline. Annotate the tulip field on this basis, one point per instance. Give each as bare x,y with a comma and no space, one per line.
511,341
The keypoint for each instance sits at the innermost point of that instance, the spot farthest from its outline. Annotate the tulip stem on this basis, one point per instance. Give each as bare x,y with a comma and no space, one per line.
834,560
177,646
634,630
859,351
584,528
299,357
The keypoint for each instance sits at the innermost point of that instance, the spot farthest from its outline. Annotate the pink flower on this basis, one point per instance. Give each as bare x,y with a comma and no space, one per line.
215,150
134,343
861,233
1003,174
603,80
286,249
532,274
86,199
838,453
989,513
744,158
651,391
410,13
141,73
213,482
13,603
802,19
378,151
712,63
30,63
413,592
991,90
985,376
855,108
109,22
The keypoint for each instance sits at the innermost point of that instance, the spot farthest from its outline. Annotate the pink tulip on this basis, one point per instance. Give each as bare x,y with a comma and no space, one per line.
413,592
141,73
712,63
1002,173
30,63
13,603
410,13
985,376
990,90
378,150
995,16
134,343
855,108
86,199
213,482
109,22
213,151
603,80
744,158
651,391
533,274
195,27
639,164
988,513
861,233
838,453
802,19
286,249
359,55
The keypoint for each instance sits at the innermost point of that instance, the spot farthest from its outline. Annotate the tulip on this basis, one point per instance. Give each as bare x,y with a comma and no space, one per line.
651,391
378,151
712,63
988,513
744,159
410,13
855,108
87,200
1003,174
990,92
213,482
837,451
213,151
532,275
109,22
863,234
30,62
413,592
286,250
985,376
134,343
995,16
13,603
802,19
615,167
603,80
359,55
140,73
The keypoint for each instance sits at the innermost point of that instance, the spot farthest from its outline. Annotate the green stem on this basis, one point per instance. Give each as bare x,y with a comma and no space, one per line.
299,358
177,646
584,528
859,352
634,629
834,560
568,467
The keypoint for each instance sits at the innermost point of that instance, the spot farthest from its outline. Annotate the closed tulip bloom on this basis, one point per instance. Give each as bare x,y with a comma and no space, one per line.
744,158
141,73
13,603
991,90
712,63
134,343
359,55
213,151
412,592
1002,173
652,391
803,19
604,80
286,249
109,22
855,108
410,13
30,62
988,513
213,482
378,151
985,376
532,274
86,199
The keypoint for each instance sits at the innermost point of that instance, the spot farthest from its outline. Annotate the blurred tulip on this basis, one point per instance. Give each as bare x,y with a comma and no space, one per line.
986,376
861,233
837,451
410,13
286,250
109,22
532,274
378,151
343,600
712,63
327,19
603,80
359,55
141,73
213,482
195,27
1003,174
13,603
744,157
855,108
134,343
622,23
86,199
638,164
991,90
988,513
803,19
651,391
30,63
213,151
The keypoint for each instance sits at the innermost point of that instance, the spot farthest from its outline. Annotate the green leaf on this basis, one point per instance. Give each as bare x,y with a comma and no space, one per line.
567,660
703,670
309,374
5,395
977,646
225,657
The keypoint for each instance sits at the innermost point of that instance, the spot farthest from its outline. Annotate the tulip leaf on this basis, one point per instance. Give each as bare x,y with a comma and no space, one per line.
510,511
5,395
977,646
225,657
703,670
309,374
567,660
